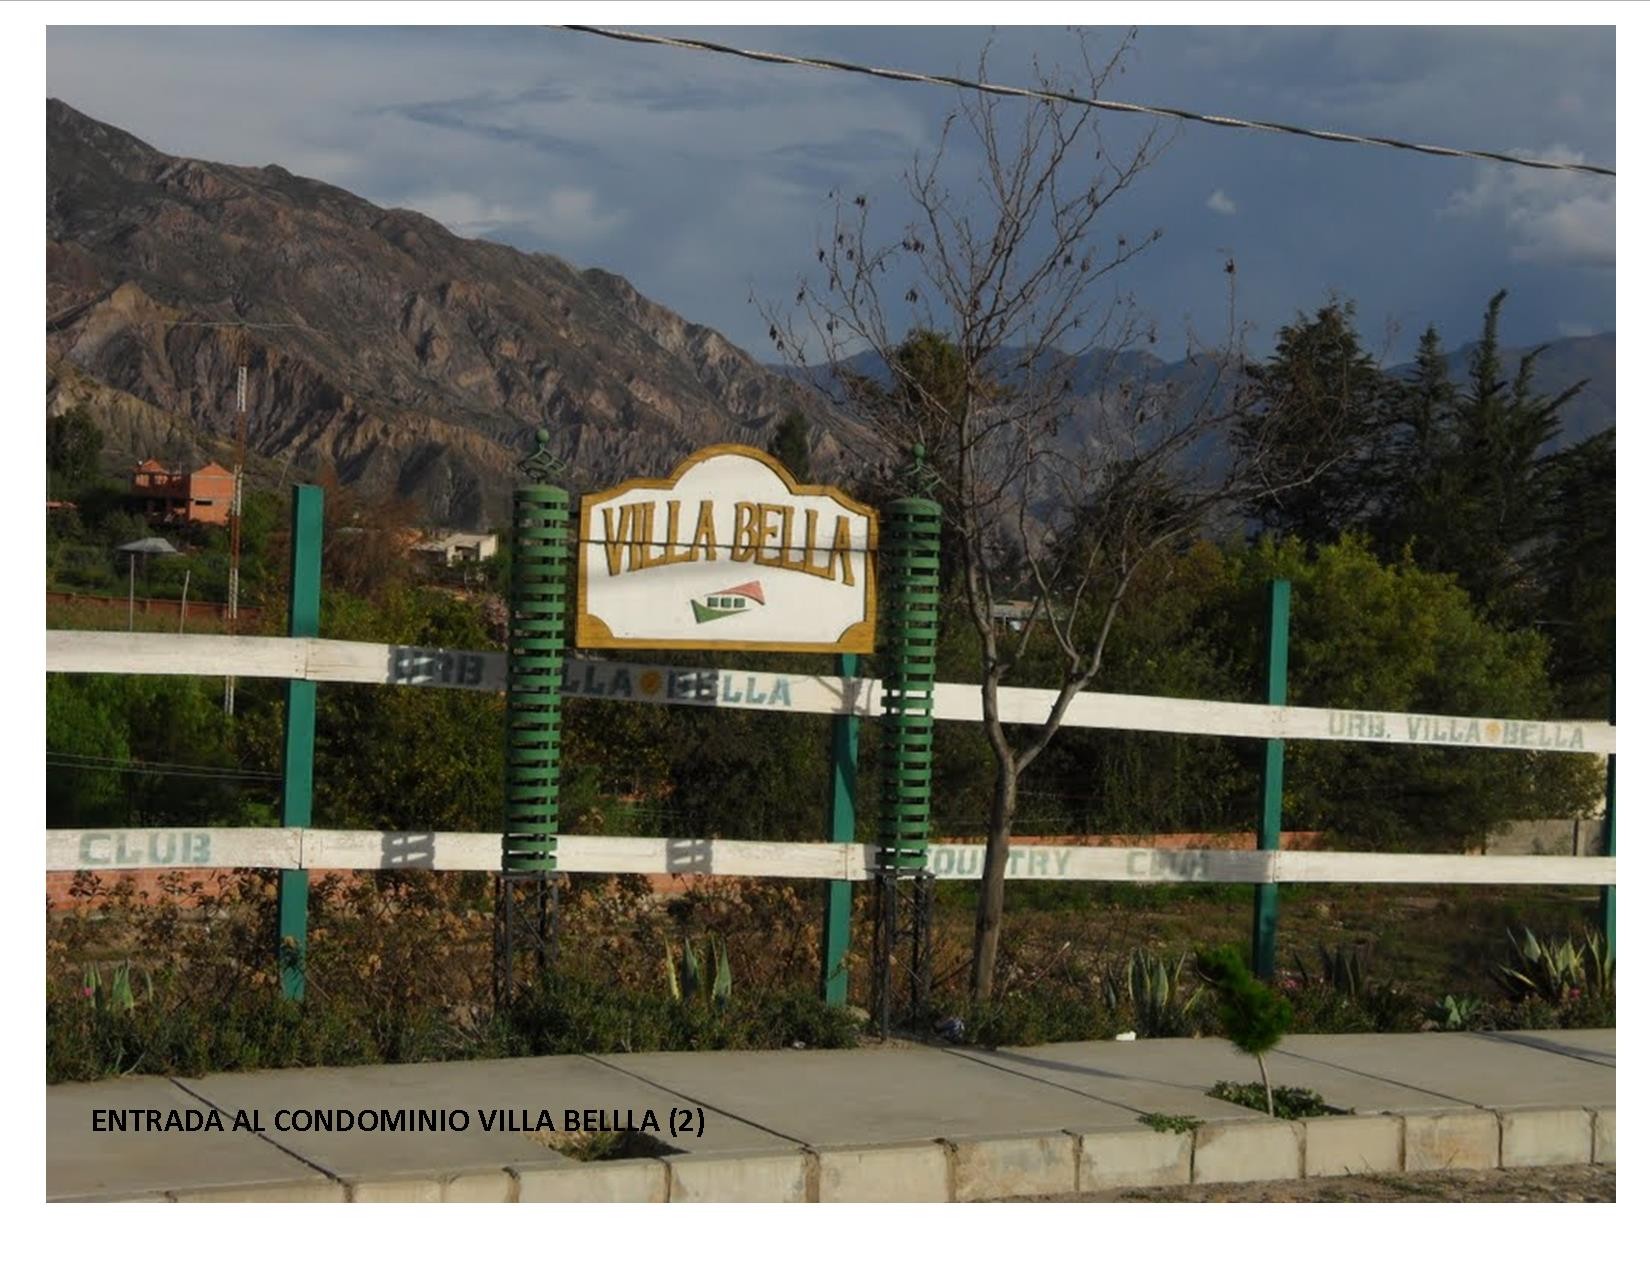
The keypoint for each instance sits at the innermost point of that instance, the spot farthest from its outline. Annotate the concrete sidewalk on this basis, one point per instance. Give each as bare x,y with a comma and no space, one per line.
896,1123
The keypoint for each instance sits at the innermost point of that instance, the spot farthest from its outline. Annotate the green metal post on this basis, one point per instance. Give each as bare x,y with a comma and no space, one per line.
533,708
298,772
1607,894
840,826
911,582
524,936
1263,938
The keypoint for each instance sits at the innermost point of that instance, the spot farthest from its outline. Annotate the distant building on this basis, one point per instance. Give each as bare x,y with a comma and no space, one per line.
1014,616
450,548
172,495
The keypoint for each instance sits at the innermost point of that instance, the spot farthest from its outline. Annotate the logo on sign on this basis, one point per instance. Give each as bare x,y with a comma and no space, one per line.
724,604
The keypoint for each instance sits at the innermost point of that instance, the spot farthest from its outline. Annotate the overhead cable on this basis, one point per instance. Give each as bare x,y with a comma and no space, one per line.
1100,104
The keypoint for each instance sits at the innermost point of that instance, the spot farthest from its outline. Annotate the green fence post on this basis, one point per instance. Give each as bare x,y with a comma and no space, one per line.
1607,894
298,771
524,917
1264,935
840,826
905,888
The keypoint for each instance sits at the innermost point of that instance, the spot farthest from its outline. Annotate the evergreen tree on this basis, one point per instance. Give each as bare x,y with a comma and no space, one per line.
1577,574
1419,497
73,446
790,445
1319,408
1494,482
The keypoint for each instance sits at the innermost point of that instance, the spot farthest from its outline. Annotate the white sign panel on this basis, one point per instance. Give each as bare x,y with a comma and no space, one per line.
728,553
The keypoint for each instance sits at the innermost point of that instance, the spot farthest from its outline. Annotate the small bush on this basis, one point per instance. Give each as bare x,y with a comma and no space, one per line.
1161,1123
1041,1016
1558,971
1287,1102
571,1012
1253,1016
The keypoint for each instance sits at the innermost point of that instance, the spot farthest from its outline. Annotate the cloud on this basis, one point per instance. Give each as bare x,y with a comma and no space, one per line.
566,213
1569,328
1550,218
704,180
461,212
572,213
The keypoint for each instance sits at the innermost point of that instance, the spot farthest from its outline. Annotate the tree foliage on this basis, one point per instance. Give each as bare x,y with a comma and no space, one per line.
790,445
74,448
1319,405
1253,1016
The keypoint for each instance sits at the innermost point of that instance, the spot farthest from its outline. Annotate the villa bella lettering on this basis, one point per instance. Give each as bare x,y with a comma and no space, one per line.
728,553
763,534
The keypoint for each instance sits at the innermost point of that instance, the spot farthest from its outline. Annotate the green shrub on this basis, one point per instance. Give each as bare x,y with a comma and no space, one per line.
1156,997
1558,972
1253,1015
1285,1102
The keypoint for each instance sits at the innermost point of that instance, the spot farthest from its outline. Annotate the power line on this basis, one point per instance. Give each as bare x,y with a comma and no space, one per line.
1102,104
91,761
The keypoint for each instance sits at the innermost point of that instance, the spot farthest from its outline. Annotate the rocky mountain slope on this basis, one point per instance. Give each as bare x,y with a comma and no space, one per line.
413,362
1563,362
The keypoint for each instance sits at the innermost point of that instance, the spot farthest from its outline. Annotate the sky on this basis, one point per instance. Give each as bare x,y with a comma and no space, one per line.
705,179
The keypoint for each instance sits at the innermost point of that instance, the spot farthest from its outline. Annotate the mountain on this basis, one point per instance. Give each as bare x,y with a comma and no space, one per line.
1562,363
415,363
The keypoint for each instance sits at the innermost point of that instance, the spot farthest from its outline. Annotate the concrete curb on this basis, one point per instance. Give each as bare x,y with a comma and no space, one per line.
1338,1145
896,1173
735,1177
995,1168
1111,1159
1604,1135
1013,1167
1248,1151
1459,1139
1532,1137
606,1182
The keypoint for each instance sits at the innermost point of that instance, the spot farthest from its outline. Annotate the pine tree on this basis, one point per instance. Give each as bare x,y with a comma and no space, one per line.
74,445
1419,499
1577,572
790,445
1253,1015
1494,481
1319,406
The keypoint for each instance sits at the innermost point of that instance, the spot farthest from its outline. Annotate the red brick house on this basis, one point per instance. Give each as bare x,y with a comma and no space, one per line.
171,495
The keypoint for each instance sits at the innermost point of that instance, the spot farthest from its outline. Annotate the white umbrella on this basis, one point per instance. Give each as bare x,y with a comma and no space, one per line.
151,546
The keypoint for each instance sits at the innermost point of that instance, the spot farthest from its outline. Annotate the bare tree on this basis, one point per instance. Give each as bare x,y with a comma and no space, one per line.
992,331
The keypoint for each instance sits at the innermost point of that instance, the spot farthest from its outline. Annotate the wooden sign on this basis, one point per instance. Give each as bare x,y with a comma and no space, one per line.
730,553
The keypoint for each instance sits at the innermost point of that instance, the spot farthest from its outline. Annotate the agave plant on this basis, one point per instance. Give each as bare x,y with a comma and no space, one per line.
1345,969
692,977
1456,1013
689,984
1111,990
671,979
1557,971
721,991
1154,991
116,995
1598,963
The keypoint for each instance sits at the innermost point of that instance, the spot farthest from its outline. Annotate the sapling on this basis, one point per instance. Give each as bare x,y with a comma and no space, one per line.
1254,1016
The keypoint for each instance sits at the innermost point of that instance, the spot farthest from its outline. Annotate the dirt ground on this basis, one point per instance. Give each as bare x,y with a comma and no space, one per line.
1568,1184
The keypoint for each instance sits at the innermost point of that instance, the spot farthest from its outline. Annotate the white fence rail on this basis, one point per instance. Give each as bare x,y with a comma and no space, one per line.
324,660
119,849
